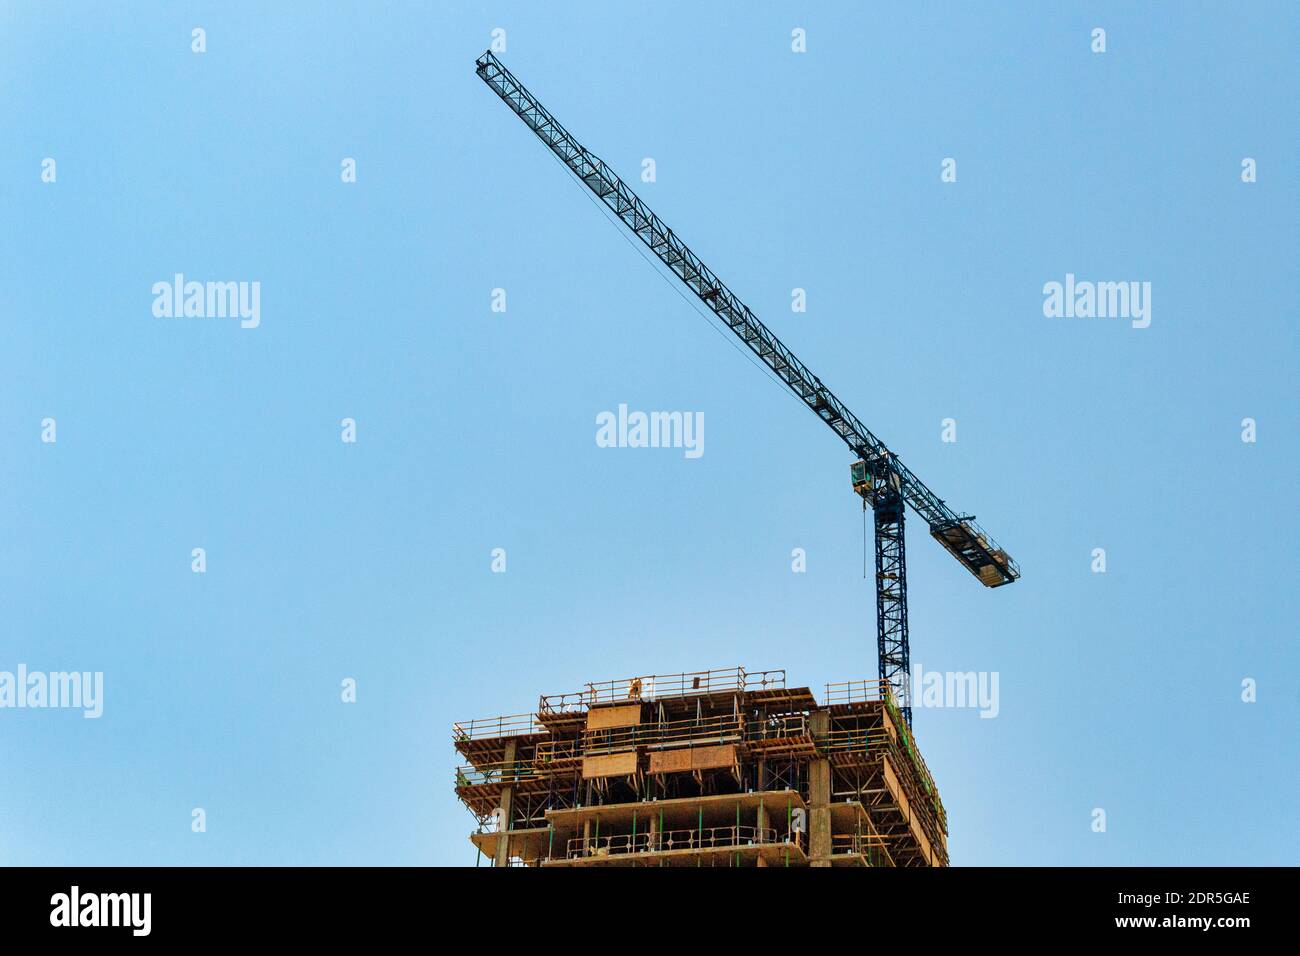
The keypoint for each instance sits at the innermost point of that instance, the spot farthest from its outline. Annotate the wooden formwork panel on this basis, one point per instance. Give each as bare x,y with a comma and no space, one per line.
889,724
693,758
900,800
707,758
624,715
609,765
670,761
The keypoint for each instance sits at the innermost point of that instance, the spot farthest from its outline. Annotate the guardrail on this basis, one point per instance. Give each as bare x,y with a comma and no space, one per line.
507,773
777,728
857,692
854,740
660,687
551,751
709,838
987,542
722,729
873,846
763,680
485,728
561,705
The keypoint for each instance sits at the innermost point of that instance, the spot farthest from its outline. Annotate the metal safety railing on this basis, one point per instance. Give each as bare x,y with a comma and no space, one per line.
654,687
870,845
985,540
661,686
777,728
708,838
562,705
726,728
764,680
853,740
555,751
858,692
486,728
503,773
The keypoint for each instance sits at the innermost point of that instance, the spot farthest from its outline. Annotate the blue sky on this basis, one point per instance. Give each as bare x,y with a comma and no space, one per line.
475,429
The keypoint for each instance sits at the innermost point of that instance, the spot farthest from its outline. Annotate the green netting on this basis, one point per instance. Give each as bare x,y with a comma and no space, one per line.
905,732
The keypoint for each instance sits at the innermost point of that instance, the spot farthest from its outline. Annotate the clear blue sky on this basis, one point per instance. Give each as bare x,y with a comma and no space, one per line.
476,430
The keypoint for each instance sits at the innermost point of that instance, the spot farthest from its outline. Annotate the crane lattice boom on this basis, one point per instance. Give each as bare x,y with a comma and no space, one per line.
959,532
879,477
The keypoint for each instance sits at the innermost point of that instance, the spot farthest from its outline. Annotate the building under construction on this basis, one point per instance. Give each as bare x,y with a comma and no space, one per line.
712,768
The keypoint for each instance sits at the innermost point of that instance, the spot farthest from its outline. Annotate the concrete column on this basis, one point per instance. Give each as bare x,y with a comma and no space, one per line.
507,806
819,797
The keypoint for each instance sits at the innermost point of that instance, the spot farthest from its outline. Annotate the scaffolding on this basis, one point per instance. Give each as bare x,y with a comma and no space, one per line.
703,768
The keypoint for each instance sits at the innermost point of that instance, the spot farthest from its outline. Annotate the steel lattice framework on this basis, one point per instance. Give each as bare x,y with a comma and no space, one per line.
959,534
891,598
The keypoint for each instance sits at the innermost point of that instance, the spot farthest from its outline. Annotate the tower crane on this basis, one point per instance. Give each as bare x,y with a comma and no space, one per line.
885,484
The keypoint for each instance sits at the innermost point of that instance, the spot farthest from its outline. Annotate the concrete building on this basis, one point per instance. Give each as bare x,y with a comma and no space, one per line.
711,768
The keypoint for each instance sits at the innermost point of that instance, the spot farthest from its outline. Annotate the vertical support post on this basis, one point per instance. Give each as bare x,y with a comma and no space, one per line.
507,808
819,796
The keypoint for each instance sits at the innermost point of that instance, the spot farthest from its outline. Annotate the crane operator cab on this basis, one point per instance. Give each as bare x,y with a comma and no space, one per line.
871,476
861,479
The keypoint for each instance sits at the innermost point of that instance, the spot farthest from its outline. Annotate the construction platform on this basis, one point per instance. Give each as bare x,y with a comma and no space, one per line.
709,768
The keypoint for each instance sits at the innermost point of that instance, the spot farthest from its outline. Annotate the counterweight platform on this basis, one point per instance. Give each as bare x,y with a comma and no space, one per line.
708,768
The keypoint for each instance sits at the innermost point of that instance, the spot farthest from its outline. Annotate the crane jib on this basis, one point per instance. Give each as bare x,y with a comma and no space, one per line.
959,534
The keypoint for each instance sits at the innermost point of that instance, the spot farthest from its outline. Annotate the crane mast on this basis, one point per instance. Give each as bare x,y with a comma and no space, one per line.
884,483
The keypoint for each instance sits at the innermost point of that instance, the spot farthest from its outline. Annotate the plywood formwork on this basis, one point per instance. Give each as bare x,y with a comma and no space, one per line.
705,768
610,765
688,759
619,715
